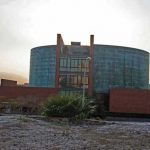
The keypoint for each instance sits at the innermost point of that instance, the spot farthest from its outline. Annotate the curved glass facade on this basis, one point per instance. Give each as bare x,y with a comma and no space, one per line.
43,66
121,67
113,67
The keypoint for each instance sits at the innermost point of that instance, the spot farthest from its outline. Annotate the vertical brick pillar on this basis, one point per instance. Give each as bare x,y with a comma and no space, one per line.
57,60
90,85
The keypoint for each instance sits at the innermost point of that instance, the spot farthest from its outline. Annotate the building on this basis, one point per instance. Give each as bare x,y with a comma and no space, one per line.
97,68
118,77
6,82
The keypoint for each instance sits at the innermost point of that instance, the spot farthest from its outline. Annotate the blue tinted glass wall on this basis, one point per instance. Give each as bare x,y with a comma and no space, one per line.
43,66
120,67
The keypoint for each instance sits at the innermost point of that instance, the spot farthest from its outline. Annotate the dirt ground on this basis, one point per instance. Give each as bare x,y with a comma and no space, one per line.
27,133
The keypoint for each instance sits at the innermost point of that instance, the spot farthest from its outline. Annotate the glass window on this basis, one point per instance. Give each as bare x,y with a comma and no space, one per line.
71,72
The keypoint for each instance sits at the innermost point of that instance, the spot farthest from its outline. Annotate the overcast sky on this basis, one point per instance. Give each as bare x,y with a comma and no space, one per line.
29,23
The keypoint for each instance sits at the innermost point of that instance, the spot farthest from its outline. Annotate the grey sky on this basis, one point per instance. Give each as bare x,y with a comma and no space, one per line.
28,23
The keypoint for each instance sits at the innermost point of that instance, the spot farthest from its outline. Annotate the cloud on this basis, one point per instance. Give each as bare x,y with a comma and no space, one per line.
28,23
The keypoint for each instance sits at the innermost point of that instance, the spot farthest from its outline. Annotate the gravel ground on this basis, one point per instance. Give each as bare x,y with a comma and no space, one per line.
24,133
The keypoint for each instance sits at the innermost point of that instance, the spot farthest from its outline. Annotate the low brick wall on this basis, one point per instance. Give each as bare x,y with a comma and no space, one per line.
5,82
15,92
129,101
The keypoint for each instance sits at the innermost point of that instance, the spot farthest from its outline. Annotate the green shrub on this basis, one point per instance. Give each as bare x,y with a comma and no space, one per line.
69,106
23,119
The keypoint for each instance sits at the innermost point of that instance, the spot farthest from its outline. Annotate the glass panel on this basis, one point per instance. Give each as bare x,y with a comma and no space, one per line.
71,72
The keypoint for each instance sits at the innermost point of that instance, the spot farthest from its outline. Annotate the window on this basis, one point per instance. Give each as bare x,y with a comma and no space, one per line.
72,71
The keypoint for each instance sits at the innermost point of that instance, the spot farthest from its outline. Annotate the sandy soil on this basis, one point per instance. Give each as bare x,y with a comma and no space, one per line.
24,133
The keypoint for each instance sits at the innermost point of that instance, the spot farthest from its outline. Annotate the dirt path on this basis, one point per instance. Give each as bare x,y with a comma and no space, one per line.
23,133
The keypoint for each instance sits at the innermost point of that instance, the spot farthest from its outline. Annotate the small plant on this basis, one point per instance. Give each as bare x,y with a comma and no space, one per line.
9,106
69,106
23,119
87,110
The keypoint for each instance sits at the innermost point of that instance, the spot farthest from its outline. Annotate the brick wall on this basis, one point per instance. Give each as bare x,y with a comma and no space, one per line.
60,44
90,79
129,101
15,92
5,82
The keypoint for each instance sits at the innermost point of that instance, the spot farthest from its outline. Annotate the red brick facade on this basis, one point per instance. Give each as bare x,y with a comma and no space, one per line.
14,92
90,84
5,82
129,101
60,45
